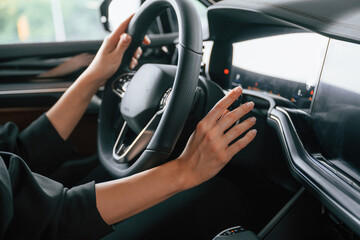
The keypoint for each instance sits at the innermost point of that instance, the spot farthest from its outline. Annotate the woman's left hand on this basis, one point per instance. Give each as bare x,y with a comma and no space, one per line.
110,54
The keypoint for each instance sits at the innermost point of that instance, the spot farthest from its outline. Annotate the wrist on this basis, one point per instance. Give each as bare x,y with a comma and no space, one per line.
90,80
183,173
177,176
85,88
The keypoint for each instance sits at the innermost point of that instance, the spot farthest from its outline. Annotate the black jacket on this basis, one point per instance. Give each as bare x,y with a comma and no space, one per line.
33,206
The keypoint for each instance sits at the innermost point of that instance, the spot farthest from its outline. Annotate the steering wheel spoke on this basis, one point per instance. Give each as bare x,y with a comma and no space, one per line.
125,152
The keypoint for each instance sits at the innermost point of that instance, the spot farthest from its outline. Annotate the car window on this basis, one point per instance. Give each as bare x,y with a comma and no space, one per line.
121,9
24,21
202,10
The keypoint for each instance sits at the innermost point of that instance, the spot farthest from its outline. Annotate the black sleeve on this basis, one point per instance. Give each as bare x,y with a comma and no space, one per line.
44,209
8,138
39,145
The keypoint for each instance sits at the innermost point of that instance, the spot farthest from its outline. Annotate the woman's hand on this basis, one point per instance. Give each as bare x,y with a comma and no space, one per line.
66,113
110,54
206,153
208,150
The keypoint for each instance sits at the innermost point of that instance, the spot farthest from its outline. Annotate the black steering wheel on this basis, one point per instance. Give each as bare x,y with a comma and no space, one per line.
155,102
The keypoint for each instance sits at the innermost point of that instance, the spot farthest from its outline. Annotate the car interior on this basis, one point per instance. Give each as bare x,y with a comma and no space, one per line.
297,60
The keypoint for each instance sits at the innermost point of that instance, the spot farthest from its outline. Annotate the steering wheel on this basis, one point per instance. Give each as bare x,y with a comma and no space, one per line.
154,102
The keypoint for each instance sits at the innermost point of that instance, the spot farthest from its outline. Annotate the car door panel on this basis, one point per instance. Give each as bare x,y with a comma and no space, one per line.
24,95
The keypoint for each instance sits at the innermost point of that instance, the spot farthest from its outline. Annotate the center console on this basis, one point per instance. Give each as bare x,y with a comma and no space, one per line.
302,217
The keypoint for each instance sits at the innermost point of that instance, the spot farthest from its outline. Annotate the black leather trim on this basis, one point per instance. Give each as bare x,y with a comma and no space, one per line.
332,18
308,15
338,196
50,49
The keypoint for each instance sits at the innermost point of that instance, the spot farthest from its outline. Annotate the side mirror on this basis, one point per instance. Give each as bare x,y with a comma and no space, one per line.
104,14
114,12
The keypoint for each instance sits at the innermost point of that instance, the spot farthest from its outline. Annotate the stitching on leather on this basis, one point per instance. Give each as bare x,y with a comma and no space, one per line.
309,15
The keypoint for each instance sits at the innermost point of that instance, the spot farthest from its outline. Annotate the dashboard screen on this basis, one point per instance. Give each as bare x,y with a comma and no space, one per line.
336,110
286,65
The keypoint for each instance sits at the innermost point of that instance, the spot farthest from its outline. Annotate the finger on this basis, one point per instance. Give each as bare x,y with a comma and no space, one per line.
138,53
146,40
134,63
239,129
112,40
123,44
121,28
241,143
235,115
221,106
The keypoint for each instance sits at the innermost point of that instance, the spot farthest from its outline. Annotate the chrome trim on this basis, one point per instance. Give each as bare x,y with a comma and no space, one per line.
122,132
338,173
292,124
165,98
128,153
343,210
309,157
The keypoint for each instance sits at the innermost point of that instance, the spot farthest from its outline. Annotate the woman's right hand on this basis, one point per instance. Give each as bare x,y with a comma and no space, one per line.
208,150
206,153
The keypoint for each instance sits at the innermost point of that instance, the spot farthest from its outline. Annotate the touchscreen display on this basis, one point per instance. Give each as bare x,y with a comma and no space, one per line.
287,65
336,109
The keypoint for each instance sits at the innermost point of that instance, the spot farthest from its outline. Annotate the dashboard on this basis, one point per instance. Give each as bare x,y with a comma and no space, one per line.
307,57
286,65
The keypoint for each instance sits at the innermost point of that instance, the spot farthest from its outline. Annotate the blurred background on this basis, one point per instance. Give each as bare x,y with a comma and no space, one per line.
27,21
30,21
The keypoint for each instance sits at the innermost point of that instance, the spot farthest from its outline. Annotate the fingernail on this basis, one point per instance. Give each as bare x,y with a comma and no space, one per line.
126,37
253,119
237,89
138,56
132,66
147,38
254,131
250,104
